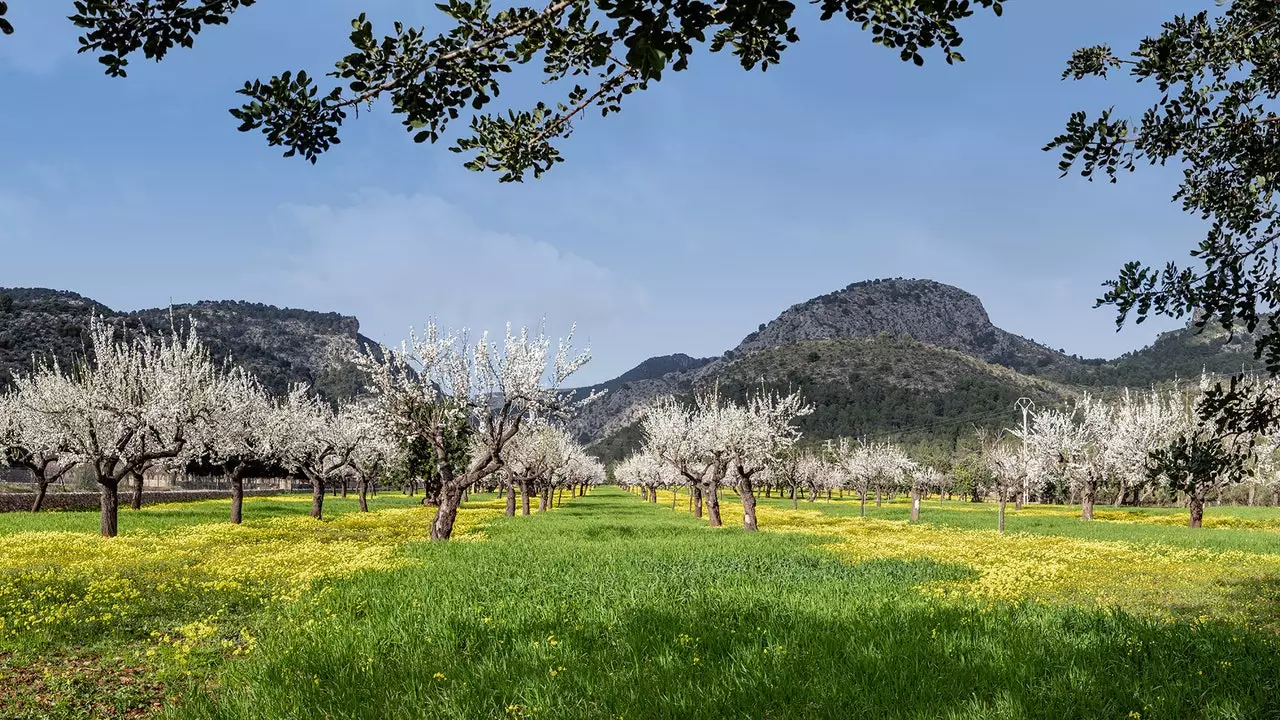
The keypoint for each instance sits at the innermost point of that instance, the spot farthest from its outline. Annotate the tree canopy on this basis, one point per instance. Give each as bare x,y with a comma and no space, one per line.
1218,76
591,54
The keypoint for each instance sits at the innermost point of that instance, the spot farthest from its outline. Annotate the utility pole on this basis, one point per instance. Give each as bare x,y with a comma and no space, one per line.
1026,406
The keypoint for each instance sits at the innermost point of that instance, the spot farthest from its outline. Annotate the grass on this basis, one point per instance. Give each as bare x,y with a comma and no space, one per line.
613,608
1248,529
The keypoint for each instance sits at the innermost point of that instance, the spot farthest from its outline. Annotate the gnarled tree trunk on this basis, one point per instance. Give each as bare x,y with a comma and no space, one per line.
712,499
524,497
450,498
697,501
42,488
748,505
511,499
915,504
237,494
135,503
1088,494
317,498
363,485
1196,505
109,503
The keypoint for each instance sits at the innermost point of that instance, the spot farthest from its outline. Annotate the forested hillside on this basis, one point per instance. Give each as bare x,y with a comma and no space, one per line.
281,346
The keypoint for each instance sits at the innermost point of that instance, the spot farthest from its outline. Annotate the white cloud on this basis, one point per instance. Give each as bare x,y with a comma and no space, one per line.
398,260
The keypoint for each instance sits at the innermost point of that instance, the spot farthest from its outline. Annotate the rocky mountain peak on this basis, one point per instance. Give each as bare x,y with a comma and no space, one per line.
928,311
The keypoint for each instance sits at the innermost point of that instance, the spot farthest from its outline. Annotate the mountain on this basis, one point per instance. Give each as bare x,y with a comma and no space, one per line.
915,360
282,346
931,312
651,369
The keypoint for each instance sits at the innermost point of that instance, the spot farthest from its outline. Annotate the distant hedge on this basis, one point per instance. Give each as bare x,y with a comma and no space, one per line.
21,502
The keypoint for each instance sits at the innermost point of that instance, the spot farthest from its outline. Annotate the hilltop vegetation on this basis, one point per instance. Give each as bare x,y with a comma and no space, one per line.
280,346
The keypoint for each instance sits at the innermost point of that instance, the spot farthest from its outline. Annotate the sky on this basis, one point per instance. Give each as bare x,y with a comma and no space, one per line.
712,203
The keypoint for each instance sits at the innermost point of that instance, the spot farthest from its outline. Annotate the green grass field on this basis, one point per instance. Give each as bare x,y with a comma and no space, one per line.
610,607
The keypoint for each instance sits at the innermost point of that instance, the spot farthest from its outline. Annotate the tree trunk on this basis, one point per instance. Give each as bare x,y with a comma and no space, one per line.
915,504
1253,491
828,494
653,495
862,507
237,495
877,497
1119,501
544,499
109,501
42,487
712,499
768,491
1196,505
675,493
344,488
697,501
442,527
748,506
363,485
317,498
524,497
1000,517
560,497
511,499
413,487
135,503
795,505
1088,494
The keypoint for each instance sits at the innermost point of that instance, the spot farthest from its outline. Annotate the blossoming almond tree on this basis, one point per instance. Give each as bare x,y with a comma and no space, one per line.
246,431
135,402
868,464
533,459
693,440
755,433
435,383
26,441
322,440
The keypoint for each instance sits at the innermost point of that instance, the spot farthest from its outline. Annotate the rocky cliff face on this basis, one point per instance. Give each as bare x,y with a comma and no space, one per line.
282,346
927,311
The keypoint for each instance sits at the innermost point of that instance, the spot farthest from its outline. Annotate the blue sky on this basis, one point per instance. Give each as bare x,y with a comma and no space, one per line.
713,202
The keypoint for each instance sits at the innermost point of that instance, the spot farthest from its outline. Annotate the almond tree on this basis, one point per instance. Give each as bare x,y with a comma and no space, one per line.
1204,455
27,442
1011,469
373,450
438,385
643,470
920,480
247,432
817,475
694,441
784,472
868,464
1139,424
323,440
753,435
135,402
1072,442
